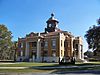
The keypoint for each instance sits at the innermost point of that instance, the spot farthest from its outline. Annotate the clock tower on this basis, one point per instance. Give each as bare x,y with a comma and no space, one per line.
52,24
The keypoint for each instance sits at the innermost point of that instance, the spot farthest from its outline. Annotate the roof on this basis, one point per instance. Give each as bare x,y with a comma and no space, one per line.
52,18
56,33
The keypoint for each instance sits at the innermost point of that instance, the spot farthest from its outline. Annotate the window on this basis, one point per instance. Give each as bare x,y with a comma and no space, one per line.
54,54
65,44
34,44
54,43
46,44
42,44
20,45
76,49
61,43
76,46
45,53
61,53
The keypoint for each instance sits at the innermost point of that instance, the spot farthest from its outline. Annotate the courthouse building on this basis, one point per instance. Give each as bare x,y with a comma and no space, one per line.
52,45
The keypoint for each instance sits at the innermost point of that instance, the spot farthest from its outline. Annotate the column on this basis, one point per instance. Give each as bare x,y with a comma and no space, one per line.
21,53
38,50
72,46
82,54
27,50
79,51
60,57
61,45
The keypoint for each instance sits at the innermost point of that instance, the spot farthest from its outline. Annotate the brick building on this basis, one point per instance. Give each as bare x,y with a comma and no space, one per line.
49,46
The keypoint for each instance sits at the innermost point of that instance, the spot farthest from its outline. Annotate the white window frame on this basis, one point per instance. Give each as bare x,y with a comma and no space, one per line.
53,43
46,44
21,45
54,54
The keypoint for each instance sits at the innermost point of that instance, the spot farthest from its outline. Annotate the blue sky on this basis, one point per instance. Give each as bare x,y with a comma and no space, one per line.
25,16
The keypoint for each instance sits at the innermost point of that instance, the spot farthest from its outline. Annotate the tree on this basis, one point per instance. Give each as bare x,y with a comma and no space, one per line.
5,43
88,54
15,47
93,37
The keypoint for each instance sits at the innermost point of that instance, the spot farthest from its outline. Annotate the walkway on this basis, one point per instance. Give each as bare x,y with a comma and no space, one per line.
13,67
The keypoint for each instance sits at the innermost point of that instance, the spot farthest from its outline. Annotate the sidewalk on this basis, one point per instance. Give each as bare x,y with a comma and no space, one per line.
13,67
7,63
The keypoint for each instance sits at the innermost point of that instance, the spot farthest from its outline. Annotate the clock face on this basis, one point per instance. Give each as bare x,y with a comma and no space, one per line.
50,25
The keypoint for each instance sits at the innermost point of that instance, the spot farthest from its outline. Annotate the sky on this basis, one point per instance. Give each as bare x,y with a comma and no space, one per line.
24,16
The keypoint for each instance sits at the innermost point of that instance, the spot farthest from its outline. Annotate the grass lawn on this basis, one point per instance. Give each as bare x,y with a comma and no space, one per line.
31,64
23,70
27,64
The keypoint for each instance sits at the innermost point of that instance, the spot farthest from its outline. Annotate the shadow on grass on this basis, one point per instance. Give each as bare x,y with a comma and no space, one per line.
57,69
71,71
